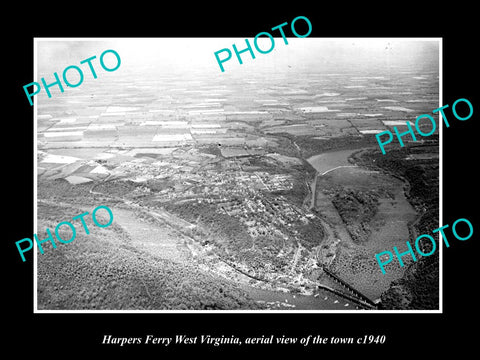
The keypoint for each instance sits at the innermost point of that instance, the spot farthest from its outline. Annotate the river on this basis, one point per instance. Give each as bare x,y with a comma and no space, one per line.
355,262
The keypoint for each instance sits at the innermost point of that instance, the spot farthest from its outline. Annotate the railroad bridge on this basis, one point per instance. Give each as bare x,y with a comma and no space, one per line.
357,297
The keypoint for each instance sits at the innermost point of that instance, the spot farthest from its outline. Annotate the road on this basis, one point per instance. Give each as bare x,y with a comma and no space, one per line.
337,167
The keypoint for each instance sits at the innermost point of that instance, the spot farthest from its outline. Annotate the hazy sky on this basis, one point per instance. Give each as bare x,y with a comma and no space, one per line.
197,54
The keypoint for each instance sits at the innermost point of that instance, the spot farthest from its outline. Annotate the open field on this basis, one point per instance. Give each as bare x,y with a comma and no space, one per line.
233,191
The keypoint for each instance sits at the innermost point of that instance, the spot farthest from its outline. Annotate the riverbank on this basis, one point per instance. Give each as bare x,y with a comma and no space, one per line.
360,229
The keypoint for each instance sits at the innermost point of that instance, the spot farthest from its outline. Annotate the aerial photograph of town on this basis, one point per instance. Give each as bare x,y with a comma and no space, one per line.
259,188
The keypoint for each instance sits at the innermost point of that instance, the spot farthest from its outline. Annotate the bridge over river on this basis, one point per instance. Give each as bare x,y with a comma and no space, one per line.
391,222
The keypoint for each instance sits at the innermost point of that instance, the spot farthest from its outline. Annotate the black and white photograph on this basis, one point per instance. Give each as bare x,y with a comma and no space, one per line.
276,180
260,187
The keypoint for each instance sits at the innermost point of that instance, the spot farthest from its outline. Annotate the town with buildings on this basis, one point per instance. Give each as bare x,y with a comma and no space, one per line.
229,156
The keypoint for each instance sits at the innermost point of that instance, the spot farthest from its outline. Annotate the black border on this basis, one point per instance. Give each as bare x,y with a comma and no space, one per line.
55,334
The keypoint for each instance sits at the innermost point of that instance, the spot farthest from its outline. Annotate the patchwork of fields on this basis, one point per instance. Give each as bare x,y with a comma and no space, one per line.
211,178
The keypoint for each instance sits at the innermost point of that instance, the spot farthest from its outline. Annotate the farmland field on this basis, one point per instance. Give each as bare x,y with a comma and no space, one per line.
235,191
